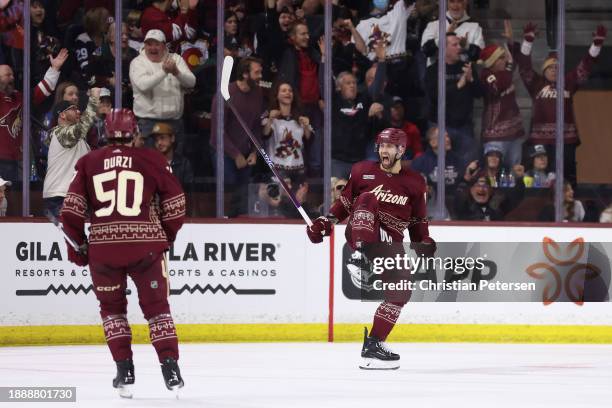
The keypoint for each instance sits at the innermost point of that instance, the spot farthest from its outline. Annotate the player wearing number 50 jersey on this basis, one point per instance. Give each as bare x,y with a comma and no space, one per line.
136,207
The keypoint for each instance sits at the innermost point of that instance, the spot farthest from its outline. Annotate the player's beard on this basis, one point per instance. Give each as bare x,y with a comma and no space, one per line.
388,163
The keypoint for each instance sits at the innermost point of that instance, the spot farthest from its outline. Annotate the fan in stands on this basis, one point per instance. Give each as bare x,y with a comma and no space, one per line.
380,200
120,185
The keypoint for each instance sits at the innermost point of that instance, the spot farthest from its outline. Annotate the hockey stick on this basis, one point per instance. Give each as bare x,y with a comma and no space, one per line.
228,63
80,249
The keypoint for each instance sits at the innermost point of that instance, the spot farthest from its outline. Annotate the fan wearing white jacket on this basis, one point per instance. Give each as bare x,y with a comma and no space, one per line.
459,22
159,81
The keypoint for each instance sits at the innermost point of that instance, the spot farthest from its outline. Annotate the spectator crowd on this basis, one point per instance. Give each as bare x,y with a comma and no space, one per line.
384,60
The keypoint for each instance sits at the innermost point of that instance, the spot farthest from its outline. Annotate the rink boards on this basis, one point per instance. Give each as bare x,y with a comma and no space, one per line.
267,282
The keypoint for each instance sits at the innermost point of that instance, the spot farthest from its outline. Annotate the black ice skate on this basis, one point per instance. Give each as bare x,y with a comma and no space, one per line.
125,378
172,375
377,355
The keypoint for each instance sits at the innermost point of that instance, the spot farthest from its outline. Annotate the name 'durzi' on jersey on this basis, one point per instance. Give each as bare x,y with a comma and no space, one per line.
118,161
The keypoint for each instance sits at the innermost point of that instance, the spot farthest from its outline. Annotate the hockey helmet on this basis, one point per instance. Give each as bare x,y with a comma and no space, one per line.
393,136
120,124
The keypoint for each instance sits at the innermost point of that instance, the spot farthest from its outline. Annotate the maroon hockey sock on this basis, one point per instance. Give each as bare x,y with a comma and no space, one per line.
118,336
384,319
163,336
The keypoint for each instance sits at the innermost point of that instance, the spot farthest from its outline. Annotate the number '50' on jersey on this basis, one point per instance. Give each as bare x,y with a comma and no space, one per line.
134,202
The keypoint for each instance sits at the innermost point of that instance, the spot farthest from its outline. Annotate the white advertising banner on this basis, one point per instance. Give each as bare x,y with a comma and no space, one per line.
236,273
349,308
257,273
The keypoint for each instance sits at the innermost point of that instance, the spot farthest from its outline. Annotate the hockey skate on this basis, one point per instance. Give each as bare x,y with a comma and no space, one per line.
377,355
125,378
172,375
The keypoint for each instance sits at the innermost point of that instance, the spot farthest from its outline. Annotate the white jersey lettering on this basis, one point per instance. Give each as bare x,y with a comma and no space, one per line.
385,196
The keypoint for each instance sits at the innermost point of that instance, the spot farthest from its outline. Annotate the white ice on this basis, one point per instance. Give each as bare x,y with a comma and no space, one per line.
315,375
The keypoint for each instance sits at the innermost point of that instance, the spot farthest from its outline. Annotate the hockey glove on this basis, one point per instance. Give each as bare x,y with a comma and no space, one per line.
321,227
79,258
427,247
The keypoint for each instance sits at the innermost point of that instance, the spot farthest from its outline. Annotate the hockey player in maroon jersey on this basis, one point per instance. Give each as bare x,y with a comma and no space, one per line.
136,207
381,200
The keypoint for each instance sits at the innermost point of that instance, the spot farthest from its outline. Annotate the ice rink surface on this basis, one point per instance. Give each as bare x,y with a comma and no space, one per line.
315,375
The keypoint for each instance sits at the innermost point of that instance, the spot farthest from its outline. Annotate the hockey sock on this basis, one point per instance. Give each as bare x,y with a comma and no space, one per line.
118,336
163,336
384,319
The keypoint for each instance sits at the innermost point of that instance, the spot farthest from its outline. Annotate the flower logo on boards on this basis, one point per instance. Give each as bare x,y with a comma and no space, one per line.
563,258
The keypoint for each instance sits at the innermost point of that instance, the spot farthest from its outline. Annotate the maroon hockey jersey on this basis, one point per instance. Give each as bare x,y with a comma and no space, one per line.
544,95
10,115
501,118
401,199
135,204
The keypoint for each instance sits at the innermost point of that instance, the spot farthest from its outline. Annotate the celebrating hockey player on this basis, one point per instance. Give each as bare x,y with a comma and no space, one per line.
381,200
136,207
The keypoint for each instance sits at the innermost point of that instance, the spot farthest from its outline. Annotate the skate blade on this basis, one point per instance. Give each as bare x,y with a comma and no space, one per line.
176,390
375,364
125,391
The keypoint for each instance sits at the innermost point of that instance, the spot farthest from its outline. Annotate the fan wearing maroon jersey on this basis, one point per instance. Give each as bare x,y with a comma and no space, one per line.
136,207
381,200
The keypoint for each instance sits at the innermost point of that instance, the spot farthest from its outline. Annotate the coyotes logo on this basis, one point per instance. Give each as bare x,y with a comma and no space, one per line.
573,281
378,36
12,122
288,146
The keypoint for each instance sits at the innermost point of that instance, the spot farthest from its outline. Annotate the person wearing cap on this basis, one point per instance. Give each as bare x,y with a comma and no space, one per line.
181,27
502,125
3,203
159,81
493,156
164,139
473,200
476,197
539,176
96,136
542,88
67,144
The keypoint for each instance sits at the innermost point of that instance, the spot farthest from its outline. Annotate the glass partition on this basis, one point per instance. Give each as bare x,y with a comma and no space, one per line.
317,110
589,83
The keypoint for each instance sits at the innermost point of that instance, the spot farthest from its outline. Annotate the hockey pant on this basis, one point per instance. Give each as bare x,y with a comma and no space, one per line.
150,276
363,229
